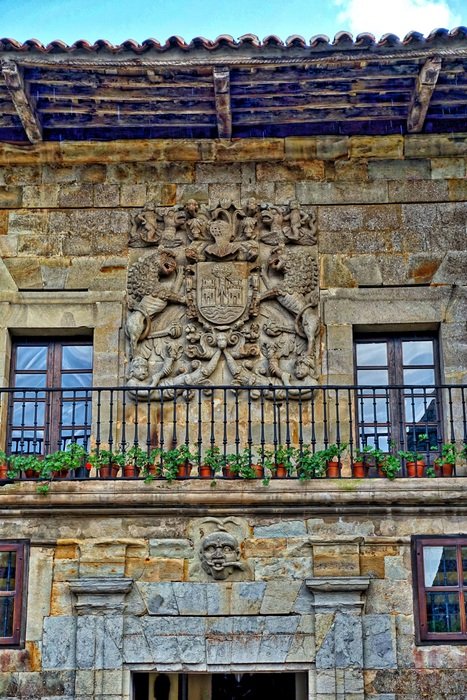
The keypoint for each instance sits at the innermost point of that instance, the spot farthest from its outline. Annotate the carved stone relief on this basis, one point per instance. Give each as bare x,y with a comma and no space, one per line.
218,543
226,295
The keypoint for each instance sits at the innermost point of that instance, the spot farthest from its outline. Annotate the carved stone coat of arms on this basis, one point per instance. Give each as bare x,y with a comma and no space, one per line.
223,295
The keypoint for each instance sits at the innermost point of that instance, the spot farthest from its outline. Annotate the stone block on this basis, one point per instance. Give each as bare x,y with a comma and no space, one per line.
279,599
227,192
372,559
106,195
379,641
332,147
21,175
336,560
264,546
343,192
284,192
334,272
10,197
413,169
376,146
171,548
25,272
261,191
216,173
133,195
40,195
270,569
60,599
447,168
457,190
290,171
422,267
355,170
300,148
40,581
283,528
238,150
417,190
112,638
58,643
155,569
428,145
452,269
76,195
247,598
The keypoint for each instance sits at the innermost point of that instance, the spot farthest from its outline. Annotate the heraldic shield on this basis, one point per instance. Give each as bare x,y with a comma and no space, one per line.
222,290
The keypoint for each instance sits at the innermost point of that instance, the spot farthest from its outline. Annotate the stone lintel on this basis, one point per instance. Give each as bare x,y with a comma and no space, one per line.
338,592
100,595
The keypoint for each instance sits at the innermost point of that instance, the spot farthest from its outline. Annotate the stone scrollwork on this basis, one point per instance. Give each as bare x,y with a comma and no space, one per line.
223,295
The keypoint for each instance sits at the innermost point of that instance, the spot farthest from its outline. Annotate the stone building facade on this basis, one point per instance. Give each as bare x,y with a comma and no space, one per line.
316,579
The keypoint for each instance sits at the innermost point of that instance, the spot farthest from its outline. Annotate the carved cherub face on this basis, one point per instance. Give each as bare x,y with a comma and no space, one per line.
301,369
219,553
192,207
139,368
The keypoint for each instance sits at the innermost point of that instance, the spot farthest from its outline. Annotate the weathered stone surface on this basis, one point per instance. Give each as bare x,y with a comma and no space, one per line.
379,641
414,169
343,192
284,528
58,643
290,171
417,191
369,147
238,150
336,560
171,548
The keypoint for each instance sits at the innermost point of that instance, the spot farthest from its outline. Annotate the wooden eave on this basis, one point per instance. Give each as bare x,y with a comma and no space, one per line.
233,92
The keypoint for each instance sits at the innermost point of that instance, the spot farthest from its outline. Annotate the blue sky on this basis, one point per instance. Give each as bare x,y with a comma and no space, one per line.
117,20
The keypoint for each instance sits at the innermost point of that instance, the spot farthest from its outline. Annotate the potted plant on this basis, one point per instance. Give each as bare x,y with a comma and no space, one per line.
29,465
280,461
414,460
240,464
59,464
106,462
176,463
213,461
444,464
310,465
332,454
361,461
3,465
388,465
136,459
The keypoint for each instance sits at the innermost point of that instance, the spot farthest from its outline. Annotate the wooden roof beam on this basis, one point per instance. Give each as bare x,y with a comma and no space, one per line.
421,96
221,78
22,100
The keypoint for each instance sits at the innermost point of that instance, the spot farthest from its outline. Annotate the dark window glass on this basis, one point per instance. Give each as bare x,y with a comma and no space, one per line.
11,592
441,588
41,421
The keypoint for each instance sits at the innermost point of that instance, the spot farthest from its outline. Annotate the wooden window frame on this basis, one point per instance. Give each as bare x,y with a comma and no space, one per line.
19,596
52,403
395,366
422,635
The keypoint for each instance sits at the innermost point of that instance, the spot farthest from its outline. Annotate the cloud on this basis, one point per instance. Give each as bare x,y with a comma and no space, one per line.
395,16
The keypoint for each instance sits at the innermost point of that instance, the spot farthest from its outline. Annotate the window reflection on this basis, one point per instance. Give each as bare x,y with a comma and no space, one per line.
417,352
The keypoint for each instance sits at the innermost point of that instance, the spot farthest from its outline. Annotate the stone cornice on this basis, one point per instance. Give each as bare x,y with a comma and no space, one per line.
408,497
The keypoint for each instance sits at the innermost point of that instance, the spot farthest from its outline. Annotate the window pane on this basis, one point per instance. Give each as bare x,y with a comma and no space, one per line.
373,410
77,357
372,354
464,567
76,379
374,377
417,352
7,571
30,413
27,441
440,566
76,413
420,409
30,380
6,616
443,614
31,357
419,377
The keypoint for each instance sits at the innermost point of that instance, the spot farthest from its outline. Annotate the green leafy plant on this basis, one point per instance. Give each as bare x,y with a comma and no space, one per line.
390,465
311,465
367,453
449,453
171,460
67,460
103,458
137,456
282,455
414,455
214,459
3,457
240,463
17,464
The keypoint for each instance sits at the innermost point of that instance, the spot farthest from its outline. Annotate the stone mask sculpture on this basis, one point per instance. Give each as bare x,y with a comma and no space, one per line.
219,554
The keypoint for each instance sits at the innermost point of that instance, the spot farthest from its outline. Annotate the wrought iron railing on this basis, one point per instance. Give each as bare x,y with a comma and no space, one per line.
257,421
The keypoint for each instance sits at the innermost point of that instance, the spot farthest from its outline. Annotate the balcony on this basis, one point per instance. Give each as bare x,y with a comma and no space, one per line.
258,427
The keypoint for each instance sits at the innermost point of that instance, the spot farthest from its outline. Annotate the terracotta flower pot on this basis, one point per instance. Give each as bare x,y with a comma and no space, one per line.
332,470
359,470
205,472
3,471
415,469
259,470
445,469
228,473
184,471
280,472
131,471
31,474
109,471
60,474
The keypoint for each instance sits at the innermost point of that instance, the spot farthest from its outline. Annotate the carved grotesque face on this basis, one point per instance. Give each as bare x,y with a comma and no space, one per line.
276,261
192,207
219,554
168,264
301,369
